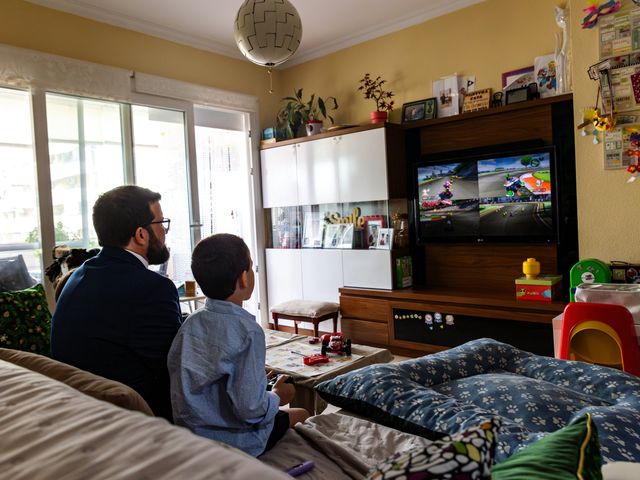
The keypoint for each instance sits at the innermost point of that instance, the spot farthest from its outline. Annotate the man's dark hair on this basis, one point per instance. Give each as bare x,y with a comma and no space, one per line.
119,212
217,263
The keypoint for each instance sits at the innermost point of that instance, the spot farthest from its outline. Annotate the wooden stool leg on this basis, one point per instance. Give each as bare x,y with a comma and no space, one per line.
275,320
335,323
316,333
295,326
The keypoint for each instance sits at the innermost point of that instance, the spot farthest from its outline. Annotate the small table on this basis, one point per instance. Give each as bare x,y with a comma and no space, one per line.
281,360
192,301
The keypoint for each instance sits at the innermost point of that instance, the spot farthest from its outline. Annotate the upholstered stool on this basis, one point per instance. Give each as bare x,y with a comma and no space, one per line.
306,311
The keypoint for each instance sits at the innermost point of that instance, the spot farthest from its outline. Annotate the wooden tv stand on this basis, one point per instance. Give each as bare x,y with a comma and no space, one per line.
396,319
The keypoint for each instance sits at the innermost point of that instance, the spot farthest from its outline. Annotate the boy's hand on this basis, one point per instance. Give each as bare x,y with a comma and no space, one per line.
286,391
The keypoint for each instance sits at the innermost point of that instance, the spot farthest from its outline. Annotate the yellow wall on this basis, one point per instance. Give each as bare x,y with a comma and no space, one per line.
608,207
30,26
485,39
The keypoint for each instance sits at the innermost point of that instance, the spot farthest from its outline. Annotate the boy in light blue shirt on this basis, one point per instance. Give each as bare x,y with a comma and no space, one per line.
217,359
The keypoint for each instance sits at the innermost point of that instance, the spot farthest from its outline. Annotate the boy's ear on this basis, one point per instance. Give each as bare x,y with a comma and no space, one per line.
242,280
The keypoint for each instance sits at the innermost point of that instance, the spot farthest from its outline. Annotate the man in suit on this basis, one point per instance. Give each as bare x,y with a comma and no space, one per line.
115,317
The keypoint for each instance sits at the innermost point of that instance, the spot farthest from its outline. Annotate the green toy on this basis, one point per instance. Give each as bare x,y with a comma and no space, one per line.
589,270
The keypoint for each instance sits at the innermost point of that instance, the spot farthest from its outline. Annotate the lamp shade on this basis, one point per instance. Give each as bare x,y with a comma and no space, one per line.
267,32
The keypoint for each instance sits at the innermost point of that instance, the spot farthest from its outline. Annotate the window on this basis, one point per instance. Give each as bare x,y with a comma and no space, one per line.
161,165
19,216
86,158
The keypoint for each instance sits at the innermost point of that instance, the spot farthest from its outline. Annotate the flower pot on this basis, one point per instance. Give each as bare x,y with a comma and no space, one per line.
378,117
314,127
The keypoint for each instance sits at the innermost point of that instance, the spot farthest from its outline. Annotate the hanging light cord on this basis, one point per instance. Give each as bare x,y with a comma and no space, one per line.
270,80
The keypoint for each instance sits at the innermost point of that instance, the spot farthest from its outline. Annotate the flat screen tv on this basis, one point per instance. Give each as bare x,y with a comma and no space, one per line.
503,197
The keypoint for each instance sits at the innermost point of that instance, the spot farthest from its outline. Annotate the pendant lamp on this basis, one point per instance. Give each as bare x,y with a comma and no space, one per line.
267,32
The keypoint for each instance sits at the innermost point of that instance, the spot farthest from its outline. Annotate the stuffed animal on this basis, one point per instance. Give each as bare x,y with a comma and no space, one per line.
65,261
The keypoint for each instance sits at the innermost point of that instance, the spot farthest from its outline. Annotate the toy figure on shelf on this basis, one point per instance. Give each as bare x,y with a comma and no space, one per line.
595,10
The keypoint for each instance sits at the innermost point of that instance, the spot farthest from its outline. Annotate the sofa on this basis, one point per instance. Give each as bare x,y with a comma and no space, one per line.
58,422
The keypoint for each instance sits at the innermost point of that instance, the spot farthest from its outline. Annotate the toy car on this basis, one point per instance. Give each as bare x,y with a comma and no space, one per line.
335,343
313,359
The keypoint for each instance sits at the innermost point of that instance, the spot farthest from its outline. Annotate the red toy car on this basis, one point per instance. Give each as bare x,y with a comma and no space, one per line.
335,343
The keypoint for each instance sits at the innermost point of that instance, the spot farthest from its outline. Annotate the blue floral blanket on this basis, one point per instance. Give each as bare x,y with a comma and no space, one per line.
458,388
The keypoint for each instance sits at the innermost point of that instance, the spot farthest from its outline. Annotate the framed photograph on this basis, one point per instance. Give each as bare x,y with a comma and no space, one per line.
347,236
333,235
446,91
312,231
419,110
385,239
372,226
510,77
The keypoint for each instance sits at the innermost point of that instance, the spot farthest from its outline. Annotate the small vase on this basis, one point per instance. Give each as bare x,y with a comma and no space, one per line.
378,117
314,127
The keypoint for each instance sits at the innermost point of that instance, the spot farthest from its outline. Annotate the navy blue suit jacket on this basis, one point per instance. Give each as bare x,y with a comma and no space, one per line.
117,319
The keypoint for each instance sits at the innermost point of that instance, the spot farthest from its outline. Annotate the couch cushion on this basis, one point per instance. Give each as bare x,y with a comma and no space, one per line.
93,385
533,395
51,431
566,454
14,274
25,320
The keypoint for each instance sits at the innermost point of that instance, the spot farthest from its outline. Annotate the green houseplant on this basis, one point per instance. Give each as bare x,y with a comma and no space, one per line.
372,88
298,112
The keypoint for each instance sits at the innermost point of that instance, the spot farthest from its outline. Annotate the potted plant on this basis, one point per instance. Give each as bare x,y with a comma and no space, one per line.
297,113
373,88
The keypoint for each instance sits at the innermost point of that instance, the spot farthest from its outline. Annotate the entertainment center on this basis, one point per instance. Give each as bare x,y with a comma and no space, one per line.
466,290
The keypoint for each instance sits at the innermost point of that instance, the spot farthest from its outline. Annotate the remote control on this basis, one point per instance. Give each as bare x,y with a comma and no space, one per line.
301,468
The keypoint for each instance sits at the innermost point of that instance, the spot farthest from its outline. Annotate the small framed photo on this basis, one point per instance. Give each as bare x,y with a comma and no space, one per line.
372,226
419,110
518,78
333,235
347,236
385,239
312,231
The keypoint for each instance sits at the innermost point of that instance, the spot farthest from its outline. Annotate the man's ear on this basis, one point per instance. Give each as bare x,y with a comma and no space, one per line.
141,236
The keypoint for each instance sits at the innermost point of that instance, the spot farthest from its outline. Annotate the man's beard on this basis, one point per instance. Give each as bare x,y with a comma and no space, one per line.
158,253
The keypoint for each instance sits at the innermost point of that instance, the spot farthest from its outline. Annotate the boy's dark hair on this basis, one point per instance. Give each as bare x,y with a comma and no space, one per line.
119,212
217,262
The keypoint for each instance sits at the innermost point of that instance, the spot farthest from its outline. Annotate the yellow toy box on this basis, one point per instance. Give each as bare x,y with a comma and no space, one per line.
543,288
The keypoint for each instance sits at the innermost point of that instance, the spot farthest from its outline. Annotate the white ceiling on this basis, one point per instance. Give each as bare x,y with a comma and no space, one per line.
328,25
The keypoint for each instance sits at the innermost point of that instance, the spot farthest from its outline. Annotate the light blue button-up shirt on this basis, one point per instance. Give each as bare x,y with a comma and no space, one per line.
218,382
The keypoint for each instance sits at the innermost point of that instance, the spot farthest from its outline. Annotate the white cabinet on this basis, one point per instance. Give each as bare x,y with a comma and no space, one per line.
284,275
317,170
279,177
321,274
362,166
367,269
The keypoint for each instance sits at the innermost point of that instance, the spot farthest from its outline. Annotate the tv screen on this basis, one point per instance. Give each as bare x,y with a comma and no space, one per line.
505,197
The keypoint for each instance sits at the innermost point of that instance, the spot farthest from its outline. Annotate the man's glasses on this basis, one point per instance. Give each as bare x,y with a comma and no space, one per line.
166,223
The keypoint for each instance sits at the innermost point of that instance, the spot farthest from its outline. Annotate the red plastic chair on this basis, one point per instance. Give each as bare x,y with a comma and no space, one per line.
602,334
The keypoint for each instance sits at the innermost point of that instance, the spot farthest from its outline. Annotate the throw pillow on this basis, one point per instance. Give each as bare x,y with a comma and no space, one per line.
573,452
25,320
467,455
14,274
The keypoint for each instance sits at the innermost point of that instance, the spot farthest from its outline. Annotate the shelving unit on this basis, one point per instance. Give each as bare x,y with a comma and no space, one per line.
357,169
475,283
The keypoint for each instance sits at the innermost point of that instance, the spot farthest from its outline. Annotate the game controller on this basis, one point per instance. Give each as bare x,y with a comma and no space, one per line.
272,381
301,468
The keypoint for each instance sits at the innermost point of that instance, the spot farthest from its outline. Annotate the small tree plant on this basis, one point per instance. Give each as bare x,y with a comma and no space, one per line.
372,88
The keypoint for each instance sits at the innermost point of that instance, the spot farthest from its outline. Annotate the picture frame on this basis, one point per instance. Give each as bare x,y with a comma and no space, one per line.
511,76
312,231
372,226
385,239
419,110
446,90
476,101
333,235
346,240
